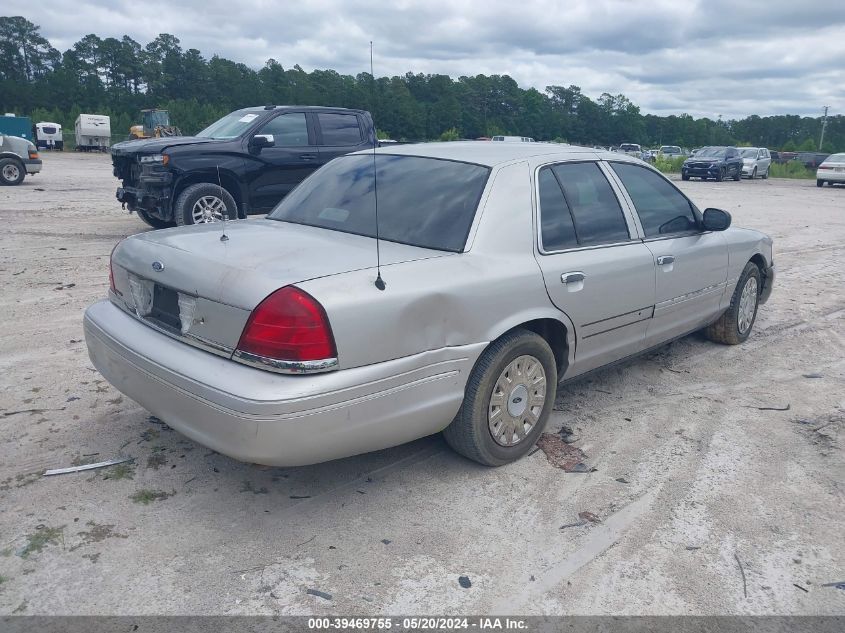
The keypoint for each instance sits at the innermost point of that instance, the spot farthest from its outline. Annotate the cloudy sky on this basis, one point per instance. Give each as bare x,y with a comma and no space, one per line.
706,57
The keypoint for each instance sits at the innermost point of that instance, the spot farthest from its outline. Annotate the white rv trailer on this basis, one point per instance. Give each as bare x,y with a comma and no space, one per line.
93,132
48,136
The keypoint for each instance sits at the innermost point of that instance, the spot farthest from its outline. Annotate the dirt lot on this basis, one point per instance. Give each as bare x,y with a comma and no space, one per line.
696,466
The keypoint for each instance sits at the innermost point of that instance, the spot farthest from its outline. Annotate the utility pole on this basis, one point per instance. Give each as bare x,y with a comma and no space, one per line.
824,125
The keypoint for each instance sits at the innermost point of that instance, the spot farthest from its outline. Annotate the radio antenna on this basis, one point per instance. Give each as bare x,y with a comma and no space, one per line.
379,281
224,237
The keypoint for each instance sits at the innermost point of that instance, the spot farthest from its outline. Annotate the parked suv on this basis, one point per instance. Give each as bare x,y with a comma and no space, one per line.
244,163
713,162
18,157
756,161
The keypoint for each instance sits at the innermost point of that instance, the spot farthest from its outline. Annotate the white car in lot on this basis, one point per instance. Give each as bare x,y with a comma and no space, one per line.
831,171
756,161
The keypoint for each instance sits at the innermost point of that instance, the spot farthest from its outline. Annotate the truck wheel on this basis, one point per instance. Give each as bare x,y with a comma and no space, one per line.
153,221
507,400
734,326
11,172
820,183
202,203
684,176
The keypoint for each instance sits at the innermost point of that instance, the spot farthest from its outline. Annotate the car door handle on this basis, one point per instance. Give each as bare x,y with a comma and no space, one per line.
308,156
663,260
572,278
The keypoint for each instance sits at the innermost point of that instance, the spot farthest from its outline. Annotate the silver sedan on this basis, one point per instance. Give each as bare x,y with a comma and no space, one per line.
418,289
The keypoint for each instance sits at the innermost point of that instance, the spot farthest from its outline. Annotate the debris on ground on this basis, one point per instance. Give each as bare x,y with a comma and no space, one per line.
464,582
742,571
589,516
561,455
692,548
835,585
786,408
148,496
622,480
801,588
567,435
386,541
812,376
76,469
291,496
319,594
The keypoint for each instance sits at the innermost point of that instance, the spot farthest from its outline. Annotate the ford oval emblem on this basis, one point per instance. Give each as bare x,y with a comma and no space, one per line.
158,266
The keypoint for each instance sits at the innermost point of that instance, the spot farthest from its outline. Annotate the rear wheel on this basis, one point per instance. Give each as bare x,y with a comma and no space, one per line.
734,326
12,172
820,183
202,203
507,400
153,221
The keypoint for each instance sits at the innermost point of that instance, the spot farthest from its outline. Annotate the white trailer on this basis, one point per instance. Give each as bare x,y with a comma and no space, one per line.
49,135
93,132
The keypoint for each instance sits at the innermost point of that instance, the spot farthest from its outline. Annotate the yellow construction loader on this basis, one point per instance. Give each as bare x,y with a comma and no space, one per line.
156,123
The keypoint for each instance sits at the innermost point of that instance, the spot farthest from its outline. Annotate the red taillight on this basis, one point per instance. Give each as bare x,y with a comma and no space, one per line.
289,325
825,167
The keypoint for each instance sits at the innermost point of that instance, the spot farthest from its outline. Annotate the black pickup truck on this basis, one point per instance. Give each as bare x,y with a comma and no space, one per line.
244,163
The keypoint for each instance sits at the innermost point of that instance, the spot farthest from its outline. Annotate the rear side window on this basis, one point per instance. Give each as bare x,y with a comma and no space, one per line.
597,216
661,207
287,129
339,129
557,228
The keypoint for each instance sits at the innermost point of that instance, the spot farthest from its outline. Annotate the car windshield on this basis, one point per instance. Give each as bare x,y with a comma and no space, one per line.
748,153
629,148
710,152
670,149
230,126
423,202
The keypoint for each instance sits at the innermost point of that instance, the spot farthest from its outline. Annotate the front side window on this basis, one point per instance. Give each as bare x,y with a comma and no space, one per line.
339,129
595,210
287,130
661,207
423,202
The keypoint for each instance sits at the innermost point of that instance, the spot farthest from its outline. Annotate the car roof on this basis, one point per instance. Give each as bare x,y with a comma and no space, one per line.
491,154
268,108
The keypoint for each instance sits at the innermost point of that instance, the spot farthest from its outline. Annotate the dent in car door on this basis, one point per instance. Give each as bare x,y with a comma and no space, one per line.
691,265
291,159
593,271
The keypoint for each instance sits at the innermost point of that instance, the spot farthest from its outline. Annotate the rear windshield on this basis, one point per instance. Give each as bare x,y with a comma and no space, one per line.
423,202
230,126
748,153
629,148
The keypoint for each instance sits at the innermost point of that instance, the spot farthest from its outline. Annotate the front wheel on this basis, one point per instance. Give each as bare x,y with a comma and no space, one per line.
152,220
684,176
721,175
202,203
753,173
734,326
738,174
507,400
11,172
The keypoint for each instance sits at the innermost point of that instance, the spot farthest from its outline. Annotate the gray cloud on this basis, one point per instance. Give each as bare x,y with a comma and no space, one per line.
668,56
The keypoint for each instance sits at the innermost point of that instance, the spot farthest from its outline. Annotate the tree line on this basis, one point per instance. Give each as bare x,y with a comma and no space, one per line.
119,77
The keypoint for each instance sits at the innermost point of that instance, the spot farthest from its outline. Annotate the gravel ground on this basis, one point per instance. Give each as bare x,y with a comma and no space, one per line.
693,477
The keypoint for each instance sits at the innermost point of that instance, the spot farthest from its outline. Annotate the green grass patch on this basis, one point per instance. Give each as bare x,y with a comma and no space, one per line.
41,539
126,470
791,169
669,165
146,496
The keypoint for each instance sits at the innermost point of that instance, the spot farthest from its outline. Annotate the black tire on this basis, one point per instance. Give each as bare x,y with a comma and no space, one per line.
727,329
192,194
153,221
765,175
721,175
684,176
12,172
753,173
738,174
820,183
469,433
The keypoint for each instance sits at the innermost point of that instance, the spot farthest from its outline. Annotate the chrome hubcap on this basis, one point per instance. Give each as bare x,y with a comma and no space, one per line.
517,400
11,172
208,209
747,305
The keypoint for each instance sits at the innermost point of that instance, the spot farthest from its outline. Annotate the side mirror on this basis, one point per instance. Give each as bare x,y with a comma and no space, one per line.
260,141
716,220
